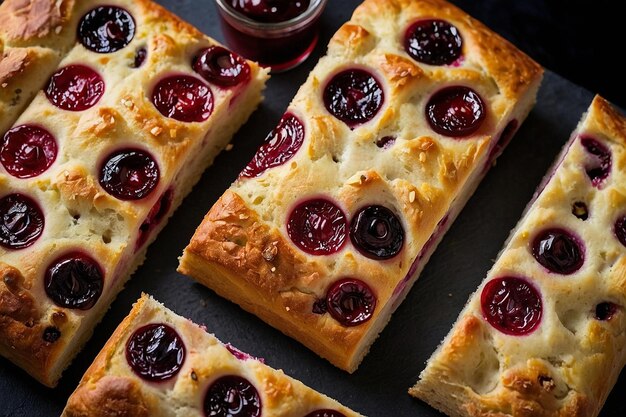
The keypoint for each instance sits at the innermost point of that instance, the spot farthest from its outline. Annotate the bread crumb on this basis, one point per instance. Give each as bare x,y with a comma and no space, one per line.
127,103
58,29
4,85
287,308
229,147
173,133
156,130
422,157
273,269
412,196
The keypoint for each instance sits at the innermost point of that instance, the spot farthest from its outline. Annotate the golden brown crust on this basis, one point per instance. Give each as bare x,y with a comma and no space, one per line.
27,21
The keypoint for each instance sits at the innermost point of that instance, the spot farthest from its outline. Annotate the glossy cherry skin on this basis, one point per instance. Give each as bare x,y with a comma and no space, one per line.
75,88
599,166
433,42
279,146
354,96
106,29
270,11
558,251
140,57
129,174
51,334
325,413
620,229
74,280
184,98
350,301
455,111
232,396
317,227
155,352
386,142
511,305
156,215
605,311
21,221
377,232
27,151
222,67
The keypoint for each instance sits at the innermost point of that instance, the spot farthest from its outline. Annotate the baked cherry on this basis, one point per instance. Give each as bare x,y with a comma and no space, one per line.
106,29
318,227
75,88
232,396
74,280
620,229
155,352
558,251
377,232
129,174
455,111
51,334
353,96
279,146
270,11
220,66
512,305
27,151
157,213
599,165
140,57
433,42
325,413
21,221
350,301
386,142
184,98
605,311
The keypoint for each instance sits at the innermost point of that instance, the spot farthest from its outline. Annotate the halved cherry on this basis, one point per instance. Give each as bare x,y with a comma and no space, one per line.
512,305
27,151
155,352
129,174
184,98
140,57
232,396
75,88
21,221
377,232
350,301
106,29
606,310
325,413
220,66
620,229
558,251
279,146
318,227
74,280
156,215
354,96
598,167
433,42
455,111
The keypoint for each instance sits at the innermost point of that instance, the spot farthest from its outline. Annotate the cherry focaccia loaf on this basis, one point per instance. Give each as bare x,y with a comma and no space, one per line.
330,224
160,364
96,164
544,334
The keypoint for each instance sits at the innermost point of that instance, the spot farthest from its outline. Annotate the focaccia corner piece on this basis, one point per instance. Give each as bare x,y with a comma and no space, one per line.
328,227
544,335
98,161
160,364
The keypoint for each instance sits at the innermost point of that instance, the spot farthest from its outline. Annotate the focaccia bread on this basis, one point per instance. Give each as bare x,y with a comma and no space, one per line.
328,227
544,335
98,161
160,364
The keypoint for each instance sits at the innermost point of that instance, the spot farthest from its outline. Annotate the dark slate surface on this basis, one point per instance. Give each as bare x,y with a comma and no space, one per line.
379,387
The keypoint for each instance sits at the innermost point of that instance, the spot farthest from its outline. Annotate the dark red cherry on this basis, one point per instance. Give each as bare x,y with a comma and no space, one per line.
511,305
51,334
140,57
386,142
270,11
620,230
598,166
455,111
220,66
353,96
279,146
21,221
106,29
318,227
558,251
605,311
75,88
325,413
350,301
433,42
232,396
157,213
184,98
129,174
74,280
27,151
155,352
377,232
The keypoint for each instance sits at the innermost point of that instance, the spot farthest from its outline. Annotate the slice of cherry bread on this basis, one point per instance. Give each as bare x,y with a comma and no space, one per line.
160,364
96,164
544,335
328,227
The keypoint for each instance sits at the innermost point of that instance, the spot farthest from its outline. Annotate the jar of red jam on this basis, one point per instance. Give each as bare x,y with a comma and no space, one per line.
279,34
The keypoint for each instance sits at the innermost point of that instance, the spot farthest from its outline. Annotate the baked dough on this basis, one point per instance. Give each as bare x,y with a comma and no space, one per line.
566,363
36,332
242,249
111,387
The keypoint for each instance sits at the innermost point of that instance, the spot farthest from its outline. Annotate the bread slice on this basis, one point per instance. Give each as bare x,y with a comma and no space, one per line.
358,136
200,372
544,334
102,200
